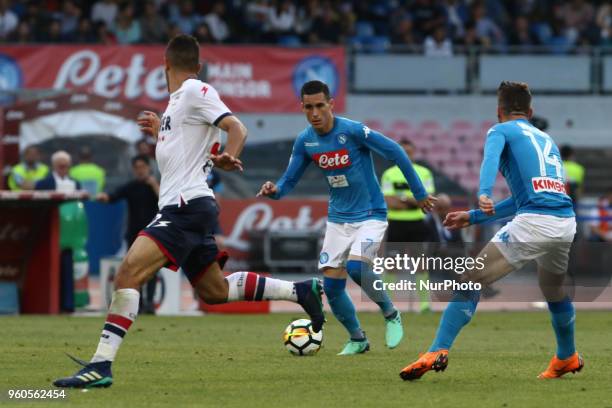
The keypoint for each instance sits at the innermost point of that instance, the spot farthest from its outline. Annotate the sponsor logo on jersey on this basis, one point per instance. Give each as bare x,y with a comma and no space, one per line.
336,159
165,124
547,185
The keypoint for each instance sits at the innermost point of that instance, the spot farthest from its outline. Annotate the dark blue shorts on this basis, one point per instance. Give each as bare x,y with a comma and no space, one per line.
186,236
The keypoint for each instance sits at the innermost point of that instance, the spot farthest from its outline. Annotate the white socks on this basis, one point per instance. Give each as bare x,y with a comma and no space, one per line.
250,286
121,315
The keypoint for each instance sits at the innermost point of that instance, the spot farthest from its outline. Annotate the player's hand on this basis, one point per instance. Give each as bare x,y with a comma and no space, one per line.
149,123
457,220
102,197
427,204
267,189
226,161
486,205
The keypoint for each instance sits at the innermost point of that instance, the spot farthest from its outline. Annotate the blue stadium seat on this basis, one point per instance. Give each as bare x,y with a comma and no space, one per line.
289,41
364,29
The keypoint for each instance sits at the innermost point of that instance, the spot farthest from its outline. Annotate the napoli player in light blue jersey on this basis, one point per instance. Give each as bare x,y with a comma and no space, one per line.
542,230
357,214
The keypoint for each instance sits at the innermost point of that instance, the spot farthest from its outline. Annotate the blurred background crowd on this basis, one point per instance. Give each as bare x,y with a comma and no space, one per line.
442,26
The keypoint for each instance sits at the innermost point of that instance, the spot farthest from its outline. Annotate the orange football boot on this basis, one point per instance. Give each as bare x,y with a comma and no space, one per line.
432,360
558,367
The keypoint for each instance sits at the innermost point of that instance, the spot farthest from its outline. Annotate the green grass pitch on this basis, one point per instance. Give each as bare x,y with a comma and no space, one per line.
240,361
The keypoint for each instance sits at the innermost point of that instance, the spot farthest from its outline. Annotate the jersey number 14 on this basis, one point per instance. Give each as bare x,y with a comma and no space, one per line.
543,146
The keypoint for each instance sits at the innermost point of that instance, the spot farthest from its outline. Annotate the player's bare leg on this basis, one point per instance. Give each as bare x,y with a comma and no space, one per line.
143,259
458,313
563,316
214,288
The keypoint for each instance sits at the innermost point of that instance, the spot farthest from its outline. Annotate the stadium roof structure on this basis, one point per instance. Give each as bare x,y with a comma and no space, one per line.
71,114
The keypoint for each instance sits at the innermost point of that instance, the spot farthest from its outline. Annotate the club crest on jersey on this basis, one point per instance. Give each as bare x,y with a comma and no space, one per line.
341,138
547,185
336,159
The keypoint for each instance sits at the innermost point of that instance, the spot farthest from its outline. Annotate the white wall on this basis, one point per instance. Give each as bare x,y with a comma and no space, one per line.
579,120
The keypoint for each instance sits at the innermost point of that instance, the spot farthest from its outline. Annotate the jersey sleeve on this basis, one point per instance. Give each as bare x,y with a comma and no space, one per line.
297,165
205,105
494,145
503,209
391,151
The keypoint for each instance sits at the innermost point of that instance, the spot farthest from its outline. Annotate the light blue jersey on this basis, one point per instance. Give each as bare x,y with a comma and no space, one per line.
531,163
344,155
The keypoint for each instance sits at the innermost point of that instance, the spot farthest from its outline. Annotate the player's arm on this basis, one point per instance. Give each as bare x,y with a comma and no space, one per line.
297,165
493,149
462,219
392,151
236,138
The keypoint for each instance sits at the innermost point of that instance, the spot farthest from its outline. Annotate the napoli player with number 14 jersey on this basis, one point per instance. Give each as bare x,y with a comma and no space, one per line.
542,230
357,215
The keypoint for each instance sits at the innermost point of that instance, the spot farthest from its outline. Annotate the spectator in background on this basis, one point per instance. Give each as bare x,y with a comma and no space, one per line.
216,22
59,178
103,35
326,28
426,16
91,176
601,227
144,148
25,175
457,14
54,33
521,35
69,18
256,15
153,27
38,19
126,28
186,19
281,18
438,45
141,195
84,33
306,15
105,11
403,33
489,33
8,20
22,35
604,22
577,16
574,174
202,34
471,38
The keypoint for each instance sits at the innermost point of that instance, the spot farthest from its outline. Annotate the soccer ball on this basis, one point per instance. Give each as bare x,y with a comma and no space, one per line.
300,340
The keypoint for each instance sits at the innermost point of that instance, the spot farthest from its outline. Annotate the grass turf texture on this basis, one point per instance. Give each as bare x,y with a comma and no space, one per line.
240,361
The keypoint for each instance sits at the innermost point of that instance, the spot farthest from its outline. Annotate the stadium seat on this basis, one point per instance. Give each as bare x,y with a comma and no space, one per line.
289,41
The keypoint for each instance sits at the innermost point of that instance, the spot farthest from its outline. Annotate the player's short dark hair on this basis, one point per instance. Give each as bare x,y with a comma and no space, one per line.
514,97
183,53
566,152
140,157
315,87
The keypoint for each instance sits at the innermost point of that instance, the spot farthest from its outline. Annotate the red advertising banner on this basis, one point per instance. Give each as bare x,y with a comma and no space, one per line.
250,79
241,218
